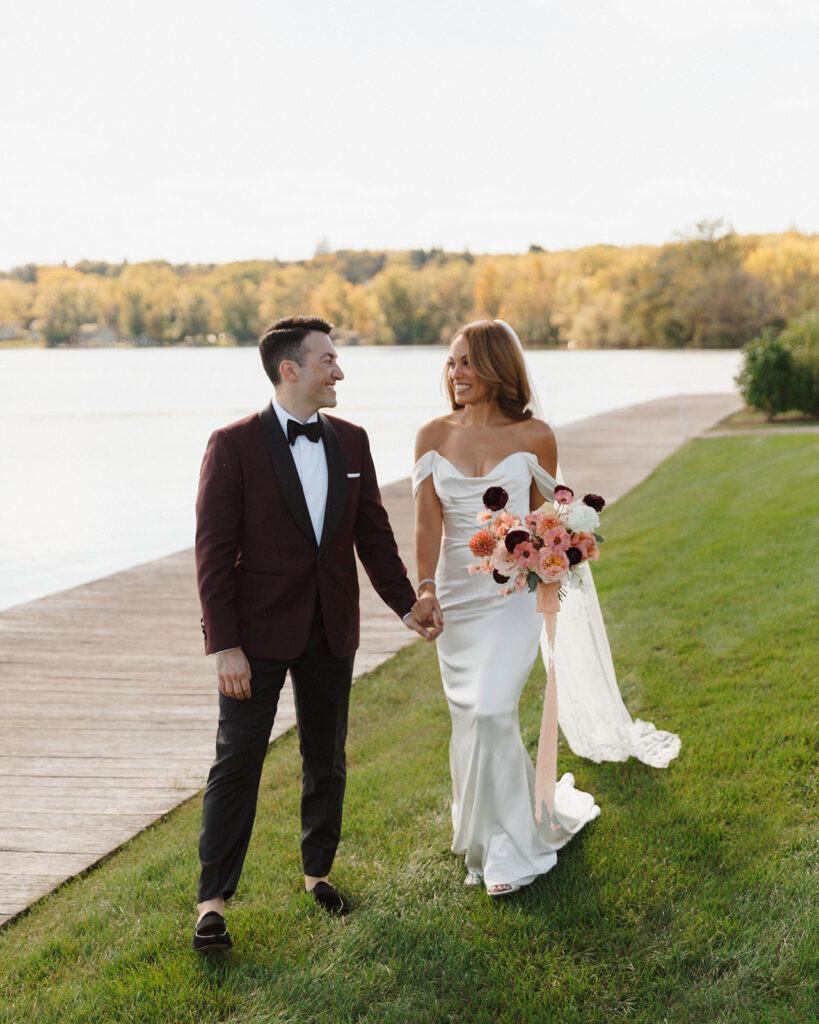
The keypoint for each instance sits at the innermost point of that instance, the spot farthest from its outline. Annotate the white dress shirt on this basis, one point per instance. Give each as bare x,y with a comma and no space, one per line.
311,465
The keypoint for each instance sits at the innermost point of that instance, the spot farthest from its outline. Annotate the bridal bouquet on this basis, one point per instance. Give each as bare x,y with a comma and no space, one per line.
549,546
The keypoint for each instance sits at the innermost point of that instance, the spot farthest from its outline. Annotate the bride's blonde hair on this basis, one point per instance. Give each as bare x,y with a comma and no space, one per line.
498,362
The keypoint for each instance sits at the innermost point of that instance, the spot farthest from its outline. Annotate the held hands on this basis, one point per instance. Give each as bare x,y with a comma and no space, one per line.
233,673
426,617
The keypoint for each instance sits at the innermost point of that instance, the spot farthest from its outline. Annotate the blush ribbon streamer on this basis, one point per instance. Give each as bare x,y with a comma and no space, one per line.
548,604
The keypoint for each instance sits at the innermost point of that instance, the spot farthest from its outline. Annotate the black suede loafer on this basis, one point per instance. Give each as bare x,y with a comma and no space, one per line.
211,934
328,898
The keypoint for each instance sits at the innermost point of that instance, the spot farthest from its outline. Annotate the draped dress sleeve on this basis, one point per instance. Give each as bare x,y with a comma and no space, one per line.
544,481
422,469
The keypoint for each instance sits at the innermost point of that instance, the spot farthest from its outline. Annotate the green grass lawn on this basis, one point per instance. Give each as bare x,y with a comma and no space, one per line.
689,900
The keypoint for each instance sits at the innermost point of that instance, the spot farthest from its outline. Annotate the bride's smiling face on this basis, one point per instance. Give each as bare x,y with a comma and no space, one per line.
466,384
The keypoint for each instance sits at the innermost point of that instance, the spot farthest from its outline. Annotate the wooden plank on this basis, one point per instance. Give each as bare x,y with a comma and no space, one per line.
160,781
18,892
87,767
15,863
154,803
67,742
64,840
73,818
99,741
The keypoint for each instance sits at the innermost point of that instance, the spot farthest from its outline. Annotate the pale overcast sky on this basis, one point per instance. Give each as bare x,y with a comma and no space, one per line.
257,128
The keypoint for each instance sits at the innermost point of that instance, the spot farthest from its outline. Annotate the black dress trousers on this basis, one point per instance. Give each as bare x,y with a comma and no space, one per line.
321,684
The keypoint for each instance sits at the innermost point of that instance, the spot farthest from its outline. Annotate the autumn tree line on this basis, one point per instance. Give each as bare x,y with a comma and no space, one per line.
711,289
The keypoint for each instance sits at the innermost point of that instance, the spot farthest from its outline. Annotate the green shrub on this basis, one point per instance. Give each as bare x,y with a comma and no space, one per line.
801,338
766,378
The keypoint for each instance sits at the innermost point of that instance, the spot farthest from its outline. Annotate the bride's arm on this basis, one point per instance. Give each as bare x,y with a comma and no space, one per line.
543,444
428,531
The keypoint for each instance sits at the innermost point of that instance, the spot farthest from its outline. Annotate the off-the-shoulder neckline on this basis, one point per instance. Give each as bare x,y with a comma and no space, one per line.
484,476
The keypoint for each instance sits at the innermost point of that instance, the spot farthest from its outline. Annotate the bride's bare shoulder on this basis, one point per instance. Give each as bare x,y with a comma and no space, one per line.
536,430
540,439
431,435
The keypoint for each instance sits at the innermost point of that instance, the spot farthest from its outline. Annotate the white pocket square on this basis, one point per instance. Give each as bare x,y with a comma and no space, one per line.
351,475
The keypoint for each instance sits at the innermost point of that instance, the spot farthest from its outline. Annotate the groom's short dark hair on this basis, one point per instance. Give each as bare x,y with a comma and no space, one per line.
283,338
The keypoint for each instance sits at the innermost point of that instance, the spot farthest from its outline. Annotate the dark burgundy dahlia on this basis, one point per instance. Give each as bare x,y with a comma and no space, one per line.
498,578
515,537
495,498
575,555
594,501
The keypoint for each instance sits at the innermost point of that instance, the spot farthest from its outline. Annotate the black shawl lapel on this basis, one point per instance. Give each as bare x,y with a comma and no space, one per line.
336,483
282,459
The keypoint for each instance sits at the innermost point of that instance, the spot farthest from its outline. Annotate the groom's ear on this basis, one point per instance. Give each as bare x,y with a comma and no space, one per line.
289,370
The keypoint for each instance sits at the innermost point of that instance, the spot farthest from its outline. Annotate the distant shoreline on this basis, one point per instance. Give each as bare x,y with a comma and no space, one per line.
709,289
22,343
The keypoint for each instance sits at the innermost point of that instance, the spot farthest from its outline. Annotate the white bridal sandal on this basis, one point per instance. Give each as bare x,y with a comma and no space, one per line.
502,889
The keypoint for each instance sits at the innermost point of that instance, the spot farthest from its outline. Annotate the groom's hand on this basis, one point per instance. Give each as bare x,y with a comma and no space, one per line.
412,623
427,611
233,673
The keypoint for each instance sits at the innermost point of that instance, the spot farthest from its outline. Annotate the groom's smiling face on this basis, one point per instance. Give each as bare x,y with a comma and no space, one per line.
320,373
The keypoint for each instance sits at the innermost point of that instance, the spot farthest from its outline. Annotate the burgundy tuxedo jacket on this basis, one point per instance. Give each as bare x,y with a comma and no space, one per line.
259,567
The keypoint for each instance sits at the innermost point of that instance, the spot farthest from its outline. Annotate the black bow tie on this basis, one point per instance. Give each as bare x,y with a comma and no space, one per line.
312,431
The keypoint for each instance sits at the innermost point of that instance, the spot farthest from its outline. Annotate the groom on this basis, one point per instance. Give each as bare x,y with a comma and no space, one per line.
284,497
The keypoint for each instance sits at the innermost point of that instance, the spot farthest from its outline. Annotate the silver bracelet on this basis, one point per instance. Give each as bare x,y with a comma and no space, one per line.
428,579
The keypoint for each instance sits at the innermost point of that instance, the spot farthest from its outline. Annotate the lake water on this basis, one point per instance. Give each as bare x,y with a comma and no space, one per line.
100,448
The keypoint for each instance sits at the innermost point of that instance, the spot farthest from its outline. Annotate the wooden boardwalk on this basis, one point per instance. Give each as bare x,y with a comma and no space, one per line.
108,707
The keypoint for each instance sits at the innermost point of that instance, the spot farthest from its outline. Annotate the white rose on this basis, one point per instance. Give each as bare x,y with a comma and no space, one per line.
582,518
503,561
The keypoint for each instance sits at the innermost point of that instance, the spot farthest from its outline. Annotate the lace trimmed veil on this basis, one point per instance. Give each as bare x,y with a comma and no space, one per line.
591,711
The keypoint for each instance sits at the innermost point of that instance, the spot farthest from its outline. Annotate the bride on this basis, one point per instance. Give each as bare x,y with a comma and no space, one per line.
488,645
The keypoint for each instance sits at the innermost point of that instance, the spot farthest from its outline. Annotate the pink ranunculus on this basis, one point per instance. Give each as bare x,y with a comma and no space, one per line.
563,494
472,569
483,516
557,539
551,565
525,554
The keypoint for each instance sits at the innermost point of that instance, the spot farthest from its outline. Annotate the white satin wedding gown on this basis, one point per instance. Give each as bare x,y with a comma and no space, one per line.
486,652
